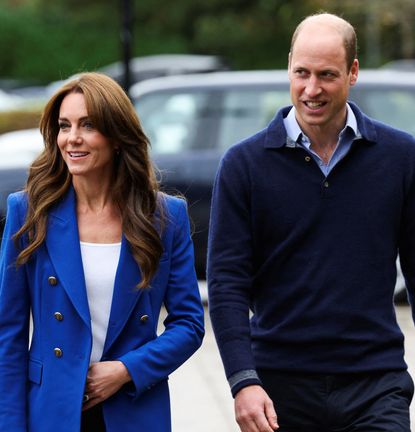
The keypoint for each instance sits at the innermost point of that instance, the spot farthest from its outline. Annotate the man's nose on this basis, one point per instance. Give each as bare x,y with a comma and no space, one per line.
313,87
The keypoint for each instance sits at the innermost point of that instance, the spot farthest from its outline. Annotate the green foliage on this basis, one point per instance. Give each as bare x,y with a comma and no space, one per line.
15,120
37,46
48,40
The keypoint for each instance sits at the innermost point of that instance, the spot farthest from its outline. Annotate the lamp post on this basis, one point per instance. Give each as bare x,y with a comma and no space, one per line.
373,34
126,41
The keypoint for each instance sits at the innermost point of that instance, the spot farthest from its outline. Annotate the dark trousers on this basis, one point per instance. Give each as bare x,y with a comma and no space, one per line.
92,420
373,402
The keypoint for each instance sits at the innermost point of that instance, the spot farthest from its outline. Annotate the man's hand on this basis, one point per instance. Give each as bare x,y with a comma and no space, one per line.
254,410
103,380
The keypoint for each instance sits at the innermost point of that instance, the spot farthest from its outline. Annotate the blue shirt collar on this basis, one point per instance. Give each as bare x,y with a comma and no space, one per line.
294,132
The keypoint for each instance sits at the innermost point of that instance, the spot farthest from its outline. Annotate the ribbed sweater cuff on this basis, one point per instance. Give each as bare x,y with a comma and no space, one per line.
243,379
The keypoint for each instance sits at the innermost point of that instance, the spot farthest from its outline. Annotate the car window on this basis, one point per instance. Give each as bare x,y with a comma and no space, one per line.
170,120
206,118
246,111
392,106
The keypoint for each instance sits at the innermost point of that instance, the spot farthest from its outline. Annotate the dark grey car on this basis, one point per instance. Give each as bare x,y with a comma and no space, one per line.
192,120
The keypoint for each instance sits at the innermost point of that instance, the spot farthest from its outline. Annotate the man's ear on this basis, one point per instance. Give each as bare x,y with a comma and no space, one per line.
354,72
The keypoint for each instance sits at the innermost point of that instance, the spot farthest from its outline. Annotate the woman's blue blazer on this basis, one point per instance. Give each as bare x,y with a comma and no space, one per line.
41,387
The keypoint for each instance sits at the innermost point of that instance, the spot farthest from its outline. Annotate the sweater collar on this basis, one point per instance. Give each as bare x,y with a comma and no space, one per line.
276,135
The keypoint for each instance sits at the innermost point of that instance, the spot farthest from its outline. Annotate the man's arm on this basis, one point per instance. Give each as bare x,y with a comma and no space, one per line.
407,235
230,268
230,274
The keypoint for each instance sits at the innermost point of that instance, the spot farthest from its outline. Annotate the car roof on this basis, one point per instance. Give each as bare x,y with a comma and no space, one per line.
166,64
259,78
212,79
402,64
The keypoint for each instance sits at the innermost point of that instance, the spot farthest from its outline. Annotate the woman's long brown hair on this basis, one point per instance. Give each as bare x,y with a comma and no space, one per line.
135,189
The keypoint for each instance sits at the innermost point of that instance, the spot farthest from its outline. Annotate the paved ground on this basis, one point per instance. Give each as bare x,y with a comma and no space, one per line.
201,401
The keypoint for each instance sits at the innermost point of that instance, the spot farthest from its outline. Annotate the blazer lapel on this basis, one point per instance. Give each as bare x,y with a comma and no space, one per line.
126,293
62,242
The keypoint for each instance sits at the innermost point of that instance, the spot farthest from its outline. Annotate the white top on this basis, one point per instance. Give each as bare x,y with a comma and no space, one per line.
100,261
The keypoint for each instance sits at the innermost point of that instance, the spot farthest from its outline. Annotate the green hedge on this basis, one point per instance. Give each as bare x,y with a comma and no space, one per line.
15,120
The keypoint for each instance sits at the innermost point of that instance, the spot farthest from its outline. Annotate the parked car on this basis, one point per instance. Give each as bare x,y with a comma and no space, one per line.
402,64
152,66
17,151
10,102
19,148
191,120
158,65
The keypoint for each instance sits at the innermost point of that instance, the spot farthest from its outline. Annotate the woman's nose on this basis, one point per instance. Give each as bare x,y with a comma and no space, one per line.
74,136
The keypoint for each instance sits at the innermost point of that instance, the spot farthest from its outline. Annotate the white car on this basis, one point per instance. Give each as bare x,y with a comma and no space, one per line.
19,148
9,102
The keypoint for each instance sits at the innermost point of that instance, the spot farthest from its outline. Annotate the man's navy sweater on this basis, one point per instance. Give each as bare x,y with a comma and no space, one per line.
313,257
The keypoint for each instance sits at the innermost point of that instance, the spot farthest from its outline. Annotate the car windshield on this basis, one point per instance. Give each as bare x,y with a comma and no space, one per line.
196,120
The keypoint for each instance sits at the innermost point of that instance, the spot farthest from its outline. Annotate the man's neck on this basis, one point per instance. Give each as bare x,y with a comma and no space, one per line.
324,138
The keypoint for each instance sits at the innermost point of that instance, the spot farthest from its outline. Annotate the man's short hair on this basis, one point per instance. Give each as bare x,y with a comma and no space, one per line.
344,27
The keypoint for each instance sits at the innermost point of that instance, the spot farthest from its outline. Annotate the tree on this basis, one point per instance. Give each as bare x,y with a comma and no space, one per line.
51,40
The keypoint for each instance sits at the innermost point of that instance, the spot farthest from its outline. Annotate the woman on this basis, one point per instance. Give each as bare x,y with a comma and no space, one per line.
93,250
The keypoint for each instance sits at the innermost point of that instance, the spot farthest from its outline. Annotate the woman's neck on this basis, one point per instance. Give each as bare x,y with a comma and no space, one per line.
92,195
99,218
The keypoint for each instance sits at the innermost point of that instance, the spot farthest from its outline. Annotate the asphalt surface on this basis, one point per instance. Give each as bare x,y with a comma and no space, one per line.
200,397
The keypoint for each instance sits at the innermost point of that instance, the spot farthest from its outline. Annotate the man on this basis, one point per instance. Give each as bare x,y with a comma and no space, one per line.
307,219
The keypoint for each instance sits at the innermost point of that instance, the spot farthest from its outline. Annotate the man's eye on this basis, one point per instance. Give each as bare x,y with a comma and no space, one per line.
300,72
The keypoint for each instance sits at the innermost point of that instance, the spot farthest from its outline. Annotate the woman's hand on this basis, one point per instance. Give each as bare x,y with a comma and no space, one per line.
103,380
